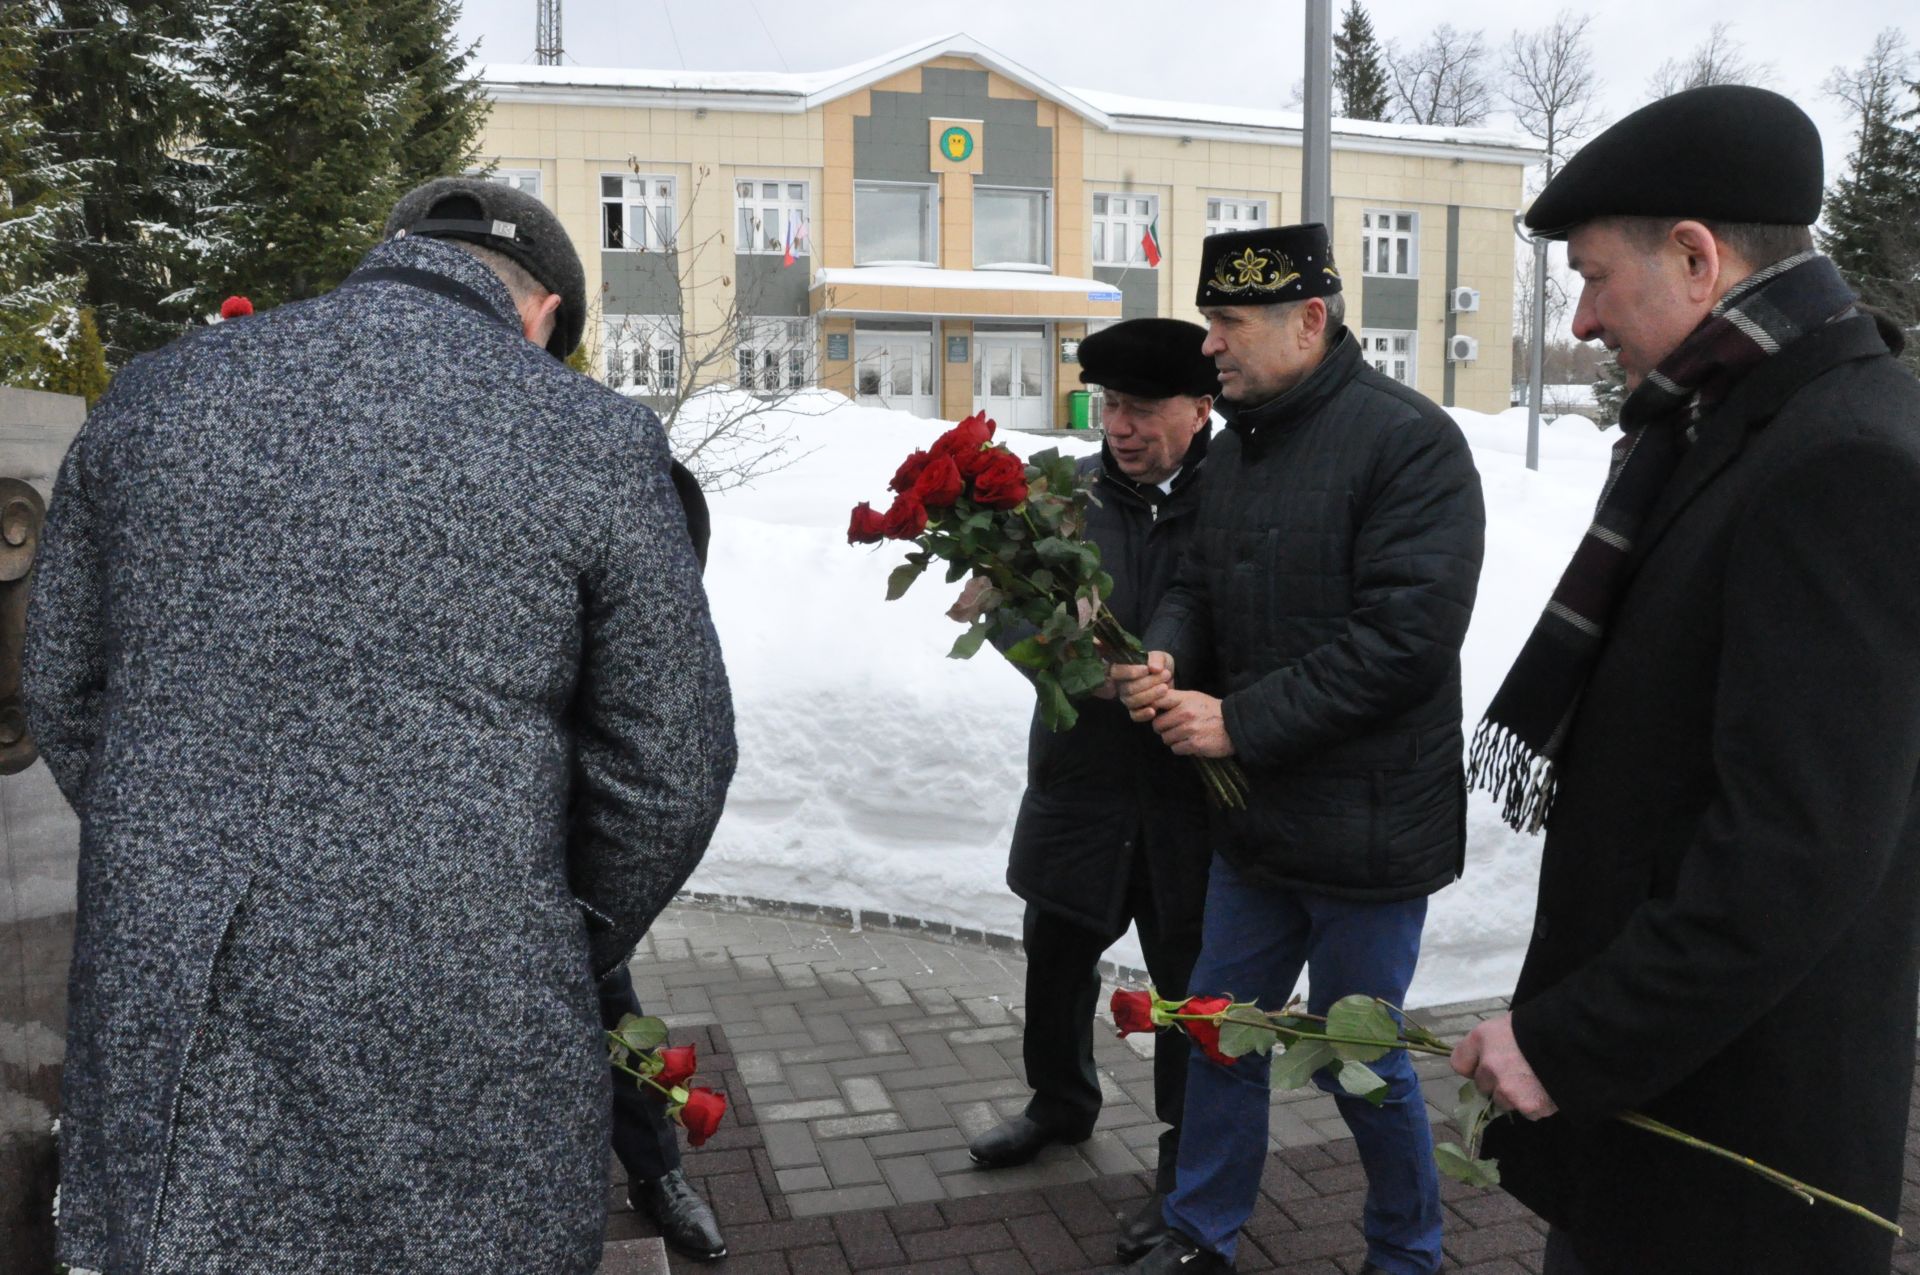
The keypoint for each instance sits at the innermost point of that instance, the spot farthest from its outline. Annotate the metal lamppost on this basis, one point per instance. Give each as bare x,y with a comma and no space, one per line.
1536,340
1316,132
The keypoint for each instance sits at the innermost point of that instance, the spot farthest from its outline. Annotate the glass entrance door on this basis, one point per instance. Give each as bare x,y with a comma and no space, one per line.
895,369
1010,379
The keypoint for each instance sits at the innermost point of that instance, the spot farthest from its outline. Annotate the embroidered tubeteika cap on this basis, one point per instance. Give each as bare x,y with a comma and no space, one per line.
1267,267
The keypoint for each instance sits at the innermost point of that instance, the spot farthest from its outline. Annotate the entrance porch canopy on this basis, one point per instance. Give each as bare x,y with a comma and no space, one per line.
926,292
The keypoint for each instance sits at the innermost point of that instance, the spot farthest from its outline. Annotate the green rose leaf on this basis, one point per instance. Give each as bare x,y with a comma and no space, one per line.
1083,675
1030,653
1361,1081
1471,1112
904,576
1363,1018
1056,710
969,642
1294,1069
1237,1039
1451,1159
1062,555
639,1034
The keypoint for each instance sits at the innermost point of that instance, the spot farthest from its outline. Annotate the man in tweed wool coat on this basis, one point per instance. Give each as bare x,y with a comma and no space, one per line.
369,645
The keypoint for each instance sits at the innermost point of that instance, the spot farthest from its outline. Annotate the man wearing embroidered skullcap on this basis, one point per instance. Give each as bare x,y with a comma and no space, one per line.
369,643
1313,634
1113,828
1717,723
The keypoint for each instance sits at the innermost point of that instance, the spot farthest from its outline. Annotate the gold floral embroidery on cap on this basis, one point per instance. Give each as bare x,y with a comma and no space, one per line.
1253,272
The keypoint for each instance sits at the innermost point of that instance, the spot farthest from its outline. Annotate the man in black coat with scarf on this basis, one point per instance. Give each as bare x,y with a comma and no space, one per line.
1314,631
1718,723
1113,828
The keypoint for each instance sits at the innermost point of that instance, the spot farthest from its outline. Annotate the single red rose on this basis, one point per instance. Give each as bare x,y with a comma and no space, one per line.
939,484
235,307
963,443
700,1114
677,1065
907,518
909,472
1132,1011
1206,1034
869,525
1002,481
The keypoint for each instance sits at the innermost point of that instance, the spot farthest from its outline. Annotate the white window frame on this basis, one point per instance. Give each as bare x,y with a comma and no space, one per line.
1373,230
640,200
1131,225
932,227
1383,360
1044,266
775,355
642,352
751,212
1218,223
522,179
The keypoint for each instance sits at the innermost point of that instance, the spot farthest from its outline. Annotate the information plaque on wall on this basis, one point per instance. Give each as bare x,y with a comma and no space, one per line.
957,349
1069,350
836,347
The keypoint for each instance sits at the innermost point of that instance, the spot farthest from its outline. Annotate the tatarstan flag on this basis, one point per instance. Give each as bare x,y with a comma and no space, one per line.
1150,242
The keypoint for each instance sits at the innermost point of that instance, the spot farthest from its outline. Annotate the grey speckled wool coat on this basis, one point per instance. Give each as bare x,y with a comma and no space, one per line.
367,638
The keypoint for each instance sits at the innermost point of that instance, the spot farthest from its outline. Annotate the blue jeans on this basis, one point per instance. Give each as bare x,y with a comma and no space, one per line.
1255,942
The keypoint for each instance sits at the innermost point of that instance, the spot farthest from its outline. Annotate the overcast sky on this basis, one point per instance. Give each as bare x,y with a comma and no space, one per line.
1231,52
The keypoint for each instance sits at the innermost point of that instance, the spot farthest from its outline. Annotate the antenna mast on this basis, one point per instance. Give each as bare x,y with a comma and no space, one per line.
547,46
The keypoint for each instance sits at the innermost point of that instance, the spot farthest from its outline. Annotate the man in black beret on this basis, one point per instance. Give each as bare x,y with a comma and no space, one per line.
1717,722
1112,828
1314,635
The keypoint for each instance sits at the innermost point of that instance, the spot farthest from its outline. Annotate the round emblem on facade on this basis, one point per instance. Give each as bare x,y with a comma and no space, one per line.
956,144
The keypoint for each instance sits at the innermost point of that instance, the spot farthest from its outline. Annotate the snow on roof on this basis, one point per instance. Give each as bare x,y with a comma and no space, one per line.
977,280
1125,108
800,90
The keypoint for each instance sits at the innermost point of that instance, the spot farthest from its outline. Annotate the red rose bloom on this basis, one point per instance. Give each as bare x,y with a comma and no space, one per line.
700,1115
907,518
1207,1034
235,308
1002,480
963,442
676,1066
1132,1011
939,484
909,472
869,525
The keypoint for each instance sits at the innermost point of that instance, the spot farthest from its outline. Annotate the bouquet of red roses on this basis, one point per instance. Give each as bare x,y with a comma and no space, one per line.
638,1049
1017,530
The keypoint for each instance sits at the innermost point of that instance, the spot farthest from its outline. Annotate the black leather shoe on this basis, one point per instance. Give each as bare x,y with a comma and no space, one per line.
1015,1140
1175,1254
1139,1233
685,1220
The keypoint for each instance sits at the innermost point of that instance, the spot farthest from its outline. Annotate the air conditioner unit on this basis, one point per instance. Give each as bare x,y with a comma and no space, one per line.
1462,349
1464,300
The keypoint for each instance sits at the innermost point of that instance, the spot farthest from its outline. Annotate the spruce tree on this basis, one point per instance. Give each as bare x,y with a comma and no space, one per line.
1609,391
75,361
1359,68
1871,227
39,214
112,82
320,116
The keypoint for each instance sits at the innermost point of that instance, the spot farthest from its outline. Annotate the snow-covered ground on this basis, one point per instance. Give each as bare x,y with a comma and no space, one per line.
877,774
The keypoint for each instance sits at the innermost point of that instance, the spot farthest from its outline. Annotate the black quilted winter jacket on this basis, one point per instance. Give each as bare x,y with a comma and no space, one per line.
1324,598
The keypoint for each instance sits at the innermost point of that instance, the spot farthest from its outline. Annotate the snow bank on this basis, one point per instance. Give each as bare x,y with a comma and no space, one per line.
877,774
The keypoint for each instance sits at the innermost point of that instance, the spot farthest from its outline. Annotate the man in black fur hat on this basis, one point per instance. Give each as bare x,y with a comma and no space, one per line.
1717,722
1113,828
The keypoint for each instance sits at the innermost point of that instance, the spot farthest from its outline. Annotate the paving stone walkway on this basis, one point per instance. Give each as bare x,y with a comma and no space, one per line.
859,1063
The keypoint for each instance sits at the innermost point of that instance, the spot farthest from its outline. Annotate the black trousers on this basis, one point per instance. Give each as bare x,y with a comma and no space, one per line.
1063,990
643,1137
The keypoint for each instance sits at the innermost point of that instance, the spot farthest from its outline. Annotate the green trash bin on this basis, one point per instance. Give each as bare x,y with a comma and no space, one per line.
1079,407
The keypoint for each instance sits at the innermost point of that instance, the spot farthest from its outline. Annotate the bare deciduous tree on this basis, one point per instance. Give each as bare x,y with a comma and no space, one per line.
1718,59
1443,80
1549,84
1871,91
724,376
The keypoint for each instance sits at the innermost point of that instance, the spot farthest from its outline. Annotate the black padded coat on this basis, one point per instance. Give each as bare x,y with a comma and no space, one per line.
1325,597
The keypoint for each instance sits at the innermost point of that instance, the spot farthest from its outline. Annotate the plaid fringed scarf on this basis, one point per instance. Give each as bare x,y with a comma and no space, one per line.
1526,726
